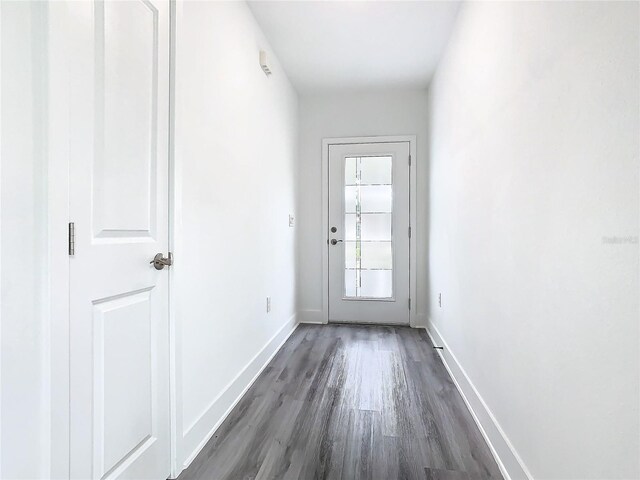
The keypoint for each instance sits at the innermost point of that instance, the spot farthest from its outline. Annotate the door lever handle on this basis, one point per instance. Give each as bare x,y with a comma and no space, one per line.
334,241
159,261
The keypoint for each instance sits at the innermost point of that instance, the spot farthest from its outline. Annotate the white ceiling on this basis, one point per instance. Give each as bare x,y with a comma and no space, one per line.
329,45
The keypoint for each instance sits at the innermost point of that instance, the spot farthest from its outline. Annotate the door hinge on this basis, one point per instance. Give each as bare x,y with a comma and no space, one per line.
72,238
409,232
409,160
409,304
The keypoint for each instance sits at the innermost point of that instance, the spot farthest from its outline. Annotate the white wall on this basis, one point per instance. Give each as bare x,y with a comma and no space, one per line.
534,167
24,350
236,154
351,114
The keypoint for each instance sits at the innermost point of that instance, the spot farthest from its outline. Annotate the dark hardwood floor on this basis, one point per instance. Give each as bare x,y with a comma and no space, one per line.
350,402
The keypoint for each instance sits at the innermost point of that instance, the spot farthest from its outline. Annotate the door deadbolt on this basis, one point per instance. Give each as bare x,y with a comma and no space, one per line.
159,261
334,229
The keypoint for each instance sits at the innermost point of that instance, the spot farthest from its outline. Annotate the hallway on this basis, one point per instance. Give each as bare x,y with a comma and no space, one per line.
356,239
353,402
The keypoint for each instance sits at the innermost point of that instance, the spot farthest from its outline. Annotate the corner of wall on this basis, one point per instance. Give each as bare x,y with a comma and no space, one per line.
311,316
420,321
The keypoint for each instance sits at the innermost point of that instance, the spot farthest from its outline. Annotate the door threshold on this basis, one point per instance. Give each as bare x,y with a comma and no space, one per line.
368,324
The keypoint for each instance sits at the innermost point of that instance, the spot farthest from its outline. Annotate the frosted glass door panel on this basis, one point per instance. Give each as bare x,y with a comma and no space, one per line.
368,215
368,241
369,283
368,198
373,226
370,171
376,284
376,226
370,255
376,255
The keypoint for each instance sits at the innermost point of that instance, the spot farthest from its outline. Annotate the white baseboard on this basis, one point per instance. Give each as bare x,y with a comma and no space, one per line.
510,463
312,316
201,431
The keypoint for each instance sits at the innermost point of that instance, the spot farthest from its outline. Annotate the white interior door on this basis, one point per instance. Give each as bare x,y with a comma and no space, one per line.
369,233
119,348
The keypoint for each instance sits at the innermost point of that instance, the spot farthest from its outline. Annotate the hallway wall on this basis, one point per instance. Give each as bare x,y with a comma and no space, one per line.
534,230
24,252
353,114
236,151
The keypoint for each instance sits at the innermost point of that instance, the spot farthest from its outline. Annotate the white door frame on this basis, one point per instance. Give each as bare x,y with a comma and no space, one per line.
413,241
58,184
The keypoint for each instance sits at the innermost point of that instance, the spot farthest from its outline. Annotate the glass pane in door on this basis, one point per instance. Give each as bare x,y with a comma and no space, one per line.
368,214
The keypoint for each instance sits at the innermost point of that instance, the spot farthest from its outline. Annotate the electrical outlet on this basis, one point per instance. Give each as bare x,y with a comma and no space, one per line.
268,304
291,220
440,300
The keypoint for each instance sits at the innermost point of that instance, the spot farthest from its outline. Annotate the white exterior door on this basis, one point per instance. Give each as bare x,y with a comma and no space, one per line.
119,150
369,233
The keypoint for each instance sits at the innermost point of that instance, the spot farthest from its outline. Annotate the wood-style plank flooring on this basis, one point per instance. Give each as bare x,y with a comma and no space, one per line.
350,402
